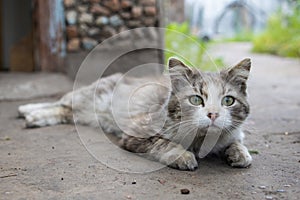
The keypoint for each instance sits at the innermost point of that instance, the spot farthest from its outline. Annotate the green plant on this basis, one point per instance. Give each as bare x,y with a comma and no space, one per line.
241,37
181,43
282,35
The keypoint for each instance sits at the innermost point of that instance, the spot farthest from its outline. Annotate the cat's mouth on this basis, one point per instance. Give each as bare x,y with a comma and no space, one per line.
213,125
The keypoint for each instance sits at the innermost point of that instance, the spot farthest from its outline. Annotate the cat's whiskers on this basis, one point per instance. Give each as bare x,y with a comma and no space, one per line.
186,122
185,137
245,125
180,128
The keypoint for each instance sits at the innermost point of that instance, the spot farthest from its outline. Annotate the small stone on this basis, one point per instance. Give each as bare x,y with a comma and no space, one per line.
134,23
126,4
93,31
185,191
69,3
148,2
95,1
150,10
269,197
149,21
99,10
115,20
107,32
133,182
86,18
137,11
73,45
83,29
125,15
62,179
162,181
88,43
280,191
262,187
72,32
82,8
71,17
102,21
114,5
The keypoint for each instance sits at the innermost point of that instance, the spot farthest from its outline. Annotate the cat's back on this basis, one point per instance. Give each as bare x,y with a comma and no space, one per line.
139,102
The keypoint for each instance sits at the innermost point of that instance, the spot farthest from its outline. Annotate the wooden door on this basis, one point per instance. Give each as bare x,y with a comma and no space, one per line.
49,48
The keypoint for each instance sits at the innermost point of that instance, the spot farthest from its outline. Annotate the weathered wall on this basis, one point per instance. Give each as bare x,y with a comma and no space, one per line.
89,22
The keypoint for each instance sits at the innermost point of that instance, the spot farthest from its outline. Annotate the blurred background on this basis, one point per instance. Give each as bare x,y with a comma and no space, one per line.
271,26
56,35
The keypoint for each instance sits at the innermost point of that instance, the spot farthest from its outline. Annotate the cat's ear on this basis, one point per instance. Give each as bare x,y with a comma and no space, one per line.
173,62
177,67
180,74
238,74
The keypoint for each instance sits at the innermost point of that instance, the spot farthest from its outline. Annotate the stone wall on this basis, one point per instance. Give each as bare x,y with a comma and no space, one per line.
89,22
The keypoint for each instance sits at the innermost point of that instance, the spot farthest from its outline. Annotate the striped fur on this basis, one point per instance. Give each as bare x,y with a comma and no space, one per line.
154,117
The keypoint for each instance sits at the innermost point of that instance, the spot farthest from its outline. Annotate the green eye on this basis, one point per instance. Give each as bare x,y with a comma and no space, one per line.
228,101
196,100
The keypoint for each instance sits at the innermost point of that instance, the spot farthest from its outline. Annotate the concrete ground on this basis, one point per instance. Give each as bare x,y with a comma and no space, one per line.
52,163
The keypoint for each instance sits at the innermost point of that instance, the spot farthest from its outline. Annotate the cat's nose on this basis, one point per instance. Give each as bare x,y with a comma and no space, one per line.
213,116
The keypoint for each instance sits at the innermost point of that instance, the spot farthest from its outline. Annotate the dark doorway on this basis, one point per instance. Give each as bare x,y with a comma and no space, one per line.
16,35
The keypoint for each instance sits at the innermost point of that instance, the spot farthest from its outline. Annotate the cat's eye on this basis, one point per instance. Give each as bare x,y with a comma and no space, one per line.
196,100
228,101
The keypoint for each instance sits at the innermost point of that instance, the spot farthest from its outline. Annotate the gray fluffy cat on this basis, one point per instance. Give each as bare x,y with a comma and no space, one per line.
173,119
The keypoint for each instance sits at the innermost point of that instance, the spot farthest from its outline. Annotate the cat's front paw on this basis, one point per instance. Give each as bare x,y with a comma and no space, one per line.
184,161
237,155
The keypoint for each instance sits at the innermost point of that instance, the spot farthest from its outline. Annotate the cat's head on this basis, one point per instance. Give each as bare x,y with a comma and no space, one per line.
216,100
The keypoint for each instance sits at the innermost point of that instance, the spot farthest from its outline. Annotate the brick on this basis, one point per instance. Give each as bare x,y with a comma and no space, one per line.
82,8
137,11
147,2
69,3
95,1
134,23
149,21
125,15
114,5
126,4
89,43
71,17
86,18
150,10
72,32
73,45
107,32
83,29
102,20
100,10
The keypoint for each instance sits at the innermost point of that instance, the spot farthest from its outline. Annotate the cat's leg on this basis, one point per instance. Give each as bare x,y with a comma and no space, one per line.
162,150
48,116
24,110
237,155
